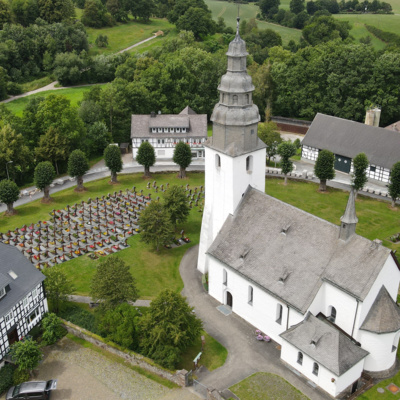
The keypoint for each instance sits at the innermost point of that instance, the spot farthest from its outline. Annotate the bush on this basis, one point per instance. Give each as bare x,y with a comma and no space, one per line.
167,356
80,317
13,88
101,41
52,329
6,377
20,376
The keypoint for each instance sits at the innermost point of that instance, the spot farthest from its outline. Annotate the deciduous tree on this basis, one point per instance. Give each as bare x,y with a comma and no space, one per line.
286,150
359,177
324,168
52,329
57,286
176,204
78,165
9,193
113,160
120,326
155,225
26,354
113,283
146,156
169,328
183,157
5,13
394,183
269,134
197,20
44,175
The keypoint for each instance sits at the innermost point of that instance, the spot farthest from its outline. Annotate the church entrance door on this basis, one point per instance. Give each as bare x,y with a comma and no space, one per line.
229,299
12,336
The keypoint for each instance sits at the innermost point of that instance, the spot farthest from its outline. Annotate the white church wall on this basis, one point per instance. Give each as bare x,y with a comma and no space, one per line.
389,276
263,312
290,355
345,305
380,347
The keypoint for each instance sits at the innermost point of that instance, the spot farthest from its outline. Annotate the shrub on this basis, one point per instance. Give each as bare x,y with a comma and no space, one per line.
80,317
6,377
20,376
52,329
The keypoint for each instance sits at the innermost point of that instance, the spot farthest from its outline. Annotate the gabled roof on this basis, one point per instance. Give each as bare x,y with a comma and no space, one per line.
28,277
349,138
383,316
290,253
324,344
196,124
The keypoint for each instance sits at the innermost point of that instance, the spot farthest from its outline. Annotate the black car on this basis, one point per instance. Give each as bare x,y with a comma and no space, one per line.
35,390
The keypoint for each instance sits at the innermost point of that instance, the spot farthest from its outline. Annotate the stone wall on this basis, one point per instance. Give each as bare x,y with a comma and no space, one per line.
129,356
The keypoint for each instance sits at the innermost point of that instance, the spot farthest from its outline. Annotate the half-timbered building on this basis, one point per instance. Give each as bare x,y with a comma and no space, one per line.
22,297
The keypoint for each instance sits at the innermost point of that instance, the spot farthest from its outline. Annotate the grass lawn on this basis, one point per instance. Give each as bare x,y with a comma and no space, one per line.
228,11
74,94
358,31
122,36
213,357
265,386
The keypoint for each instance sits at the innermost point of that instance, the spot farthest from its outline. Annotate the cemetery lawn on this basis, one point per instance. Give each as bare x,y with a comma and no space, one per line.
153,271
265,386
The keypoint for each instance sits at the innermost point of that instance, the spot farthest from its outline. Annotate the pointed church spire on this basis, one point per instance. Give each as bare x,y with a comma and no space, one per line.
349,219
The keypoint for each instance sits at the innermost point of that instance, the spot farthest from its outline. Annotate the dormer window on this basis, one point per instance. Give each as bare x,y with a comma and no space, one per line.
178,130
2,292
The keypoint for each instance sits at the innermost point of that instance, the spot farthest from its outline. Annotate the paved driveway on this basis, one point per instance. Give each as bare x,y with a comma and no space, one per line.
84,374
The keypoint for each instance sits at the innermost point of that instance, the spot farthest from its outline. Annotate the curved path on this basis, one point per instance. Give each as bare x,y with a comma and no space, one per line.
246,355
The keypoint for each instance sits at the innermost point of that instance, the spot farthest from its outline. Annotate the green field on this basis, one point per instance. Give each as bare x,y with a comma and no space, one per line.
359,31
75,95
247,11
389,23
122,36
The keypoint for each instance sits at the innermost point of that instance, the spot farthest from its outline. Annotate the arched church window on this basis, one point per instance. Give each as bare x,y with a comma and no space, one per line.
234,99
315,369
279,310
332,314
300,358
217,161
247,98
250,295
249,163
223,98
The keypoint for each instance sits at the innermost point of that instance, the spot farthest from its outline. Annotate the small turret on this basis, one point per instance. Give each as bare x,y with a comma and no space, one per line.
349,219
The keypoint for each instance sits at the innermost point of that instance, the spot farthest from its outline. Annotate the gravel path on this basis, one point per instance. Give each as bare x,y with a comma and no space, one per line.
84,374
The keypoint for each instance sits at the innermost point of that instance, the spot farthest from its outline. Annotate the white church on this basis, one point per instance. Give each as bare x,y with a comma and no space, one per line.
324,293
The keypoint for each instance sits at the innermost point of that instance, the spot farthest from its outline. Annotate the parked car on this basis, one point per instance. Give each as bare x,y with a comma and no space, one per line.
35,390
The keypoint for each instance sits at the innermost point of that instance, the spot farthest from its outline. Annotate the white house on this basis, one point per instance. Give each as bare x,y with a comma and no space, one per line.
22,298
324,293
164,131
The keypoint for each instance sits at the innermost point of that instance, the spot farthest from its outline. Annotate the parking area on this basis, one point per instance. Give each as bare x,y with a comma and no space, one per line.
85,374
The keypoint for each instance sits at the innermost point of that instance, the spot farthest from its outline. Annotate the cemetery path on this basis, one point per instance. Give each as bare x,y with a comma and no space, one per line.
246,355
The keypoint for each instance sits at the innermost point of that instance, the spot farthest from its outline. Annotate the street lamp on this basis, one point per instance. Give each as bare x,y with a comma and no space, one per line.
8,162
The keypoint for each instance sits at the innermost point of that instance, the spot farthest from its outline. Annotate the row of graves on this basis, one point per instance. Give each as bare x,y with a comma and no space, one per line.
98,227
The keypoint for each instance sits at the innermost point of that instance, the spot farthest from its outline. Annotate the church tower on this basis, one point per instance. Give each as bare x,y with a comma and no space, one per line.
234,155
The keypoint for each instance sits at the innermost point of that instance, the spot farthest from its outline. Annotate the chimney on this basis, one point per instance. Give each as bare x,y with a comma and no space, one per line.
373,116
153,114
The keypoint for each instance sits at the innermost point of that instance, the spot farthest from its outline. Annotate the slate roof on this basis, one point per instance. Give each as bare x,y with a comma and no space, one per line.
28,276
196,123
383,316
290,253
332,349
349,138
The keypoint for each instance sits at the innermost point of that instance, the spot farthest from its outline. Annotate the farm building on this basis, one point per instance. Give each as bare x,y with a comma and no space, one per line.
164,131
347,138
324,293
